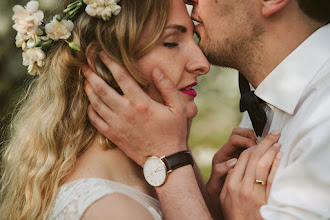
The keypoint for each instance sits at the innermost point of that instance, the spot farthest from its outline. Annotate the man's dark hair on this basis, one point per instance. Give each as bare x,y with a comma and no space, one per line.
318,10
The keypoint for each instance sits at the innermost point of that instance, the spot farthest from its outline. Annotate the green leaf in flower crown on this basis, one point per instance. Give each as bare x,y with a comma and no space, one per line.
73,45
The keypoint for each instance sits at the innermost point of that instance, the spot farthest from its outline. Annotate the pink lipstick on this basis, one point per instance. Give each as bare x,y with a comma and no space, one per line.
188,90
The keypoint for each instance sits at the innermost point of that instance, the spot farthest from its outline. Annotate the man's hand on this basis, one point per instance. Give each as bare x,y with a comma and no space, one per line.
138,125
223,161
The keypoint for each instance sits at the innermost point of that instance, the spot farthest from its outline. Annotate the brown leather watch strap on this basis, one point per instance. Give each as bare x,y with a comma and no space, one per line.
177,160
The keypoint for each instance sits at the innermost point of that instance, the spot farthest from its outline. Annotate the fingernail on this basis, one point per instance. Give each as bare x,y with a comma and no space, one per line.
231,162
279,155
159,74
103,55
277,145
276,132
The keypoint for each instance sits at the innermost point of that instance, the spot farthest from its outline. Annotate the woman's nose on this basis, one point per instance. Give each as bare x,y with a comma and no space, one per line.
197,62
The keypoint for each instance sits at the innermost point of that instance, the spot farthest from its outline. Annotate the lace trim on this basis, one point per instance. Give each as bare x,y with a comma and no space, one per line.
75,197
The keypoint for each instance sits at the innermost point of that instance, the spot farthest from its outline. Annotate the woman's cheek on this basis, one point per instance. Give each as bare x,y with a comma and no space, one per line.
154,94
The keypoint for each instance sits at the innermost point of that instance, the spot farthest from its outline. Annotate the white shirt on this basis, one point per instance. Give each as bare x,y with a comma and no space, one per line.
297,93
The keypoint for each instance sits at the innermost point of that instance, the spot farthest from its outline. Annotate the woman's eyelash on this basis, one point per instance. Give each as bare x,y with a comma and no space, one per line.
170,45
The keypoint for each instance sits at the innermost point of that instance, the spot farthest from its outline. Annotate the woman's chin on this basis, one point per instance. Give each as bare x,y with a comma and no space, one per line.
192,110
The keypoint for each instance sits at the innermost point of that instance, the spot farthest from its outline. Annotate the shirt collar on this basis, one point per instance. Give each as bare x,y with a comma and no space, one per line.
284,86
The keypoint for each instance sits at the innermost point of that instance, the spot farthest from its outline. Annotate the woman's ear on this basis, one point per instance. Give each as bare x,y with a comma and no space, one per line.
90,56
272,6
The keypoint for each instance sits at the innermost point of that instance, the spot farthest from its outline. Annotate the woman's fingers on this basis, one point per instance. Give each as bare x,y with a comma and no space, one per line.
239,170
262,172
241,141
261,149
219,171
265,163
216,182
224,190
233,147
273,170
248,133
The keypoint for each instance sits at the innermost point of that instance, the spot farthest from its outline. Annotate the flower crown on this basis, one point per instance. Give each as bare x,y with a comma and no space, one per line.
35,37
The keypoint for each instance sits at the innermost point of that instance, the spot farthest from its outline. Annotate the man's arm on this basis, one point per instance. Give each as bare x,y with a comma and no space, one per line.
141,127
180,197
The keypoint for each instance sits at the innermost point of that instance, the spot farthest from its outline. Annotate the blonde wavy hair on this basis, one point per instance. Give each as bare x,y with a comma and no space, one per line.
51,128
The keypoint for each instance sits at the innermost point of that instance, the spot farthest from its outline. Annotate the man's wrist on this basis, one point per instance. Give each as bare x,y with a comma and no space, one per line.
156,170
165,150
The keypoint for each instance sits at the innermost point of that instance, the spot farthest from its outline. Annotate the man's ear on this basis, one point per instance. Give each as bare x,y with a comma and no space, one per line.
272,6
90,56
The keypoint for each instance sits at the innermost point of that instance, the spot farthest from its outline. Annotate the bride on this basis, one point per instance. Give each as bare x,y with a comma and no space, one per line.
56,165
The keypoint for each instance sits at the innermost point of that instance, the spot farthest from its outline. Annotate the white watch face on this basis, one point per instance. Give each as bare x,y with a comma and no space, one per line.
154,171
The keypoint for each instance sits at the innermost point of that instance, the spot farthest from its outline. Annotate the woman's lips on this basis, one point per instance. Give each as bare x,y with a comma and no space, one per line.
188,90
191,92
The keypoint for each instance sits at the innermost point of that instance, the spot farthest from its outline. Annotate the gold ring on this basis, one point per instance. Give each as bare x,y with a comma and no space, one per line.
260,182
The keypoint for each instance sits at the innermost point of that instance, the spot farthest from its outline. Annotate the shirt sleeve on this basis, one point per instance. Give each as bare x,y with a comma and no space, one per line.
301,187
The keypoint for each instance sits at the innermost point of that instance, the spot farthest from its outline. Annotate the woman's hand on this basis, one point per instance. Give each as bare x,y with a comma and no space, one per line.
223,161
247,186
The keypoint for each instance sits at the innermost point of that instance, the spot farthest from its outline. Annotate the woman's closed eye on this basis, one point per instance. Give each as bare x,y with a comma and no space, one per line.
170,44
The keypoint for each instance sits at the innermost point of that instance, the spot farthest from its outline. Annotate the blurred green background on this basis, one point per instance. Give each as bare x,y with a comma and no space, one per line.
217,99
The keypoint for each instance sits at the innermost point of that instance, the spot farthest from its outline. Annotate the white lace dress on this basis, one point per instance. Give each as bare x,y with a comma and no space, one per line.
75,197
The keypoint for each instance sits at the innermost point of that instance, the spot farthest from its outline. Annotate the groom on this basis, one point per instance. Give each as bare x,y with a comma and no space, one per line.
282,47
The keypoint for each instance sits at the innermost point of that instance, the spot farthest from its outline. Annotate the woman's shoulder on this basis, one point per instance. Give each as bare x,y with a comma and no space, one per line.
100,196
117,206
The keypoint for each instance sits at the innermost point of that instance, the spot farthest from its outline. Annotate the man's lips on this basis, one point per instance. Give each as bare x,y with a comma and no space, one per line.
188,90
196,28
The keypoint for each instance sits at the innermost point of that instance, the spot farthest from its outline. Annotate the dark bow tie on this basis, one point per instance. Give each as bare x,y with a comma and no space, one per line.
250,102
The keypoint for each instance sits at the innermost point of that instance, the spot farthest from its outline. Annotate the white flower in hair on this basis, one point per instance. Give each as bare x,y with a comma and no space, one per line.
27,41
59,29
102,8
33,58
21,40
27,20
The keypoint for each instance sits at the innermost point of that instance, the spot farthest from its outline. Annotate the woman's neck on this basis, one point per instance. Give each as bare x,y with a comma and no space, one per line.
110,164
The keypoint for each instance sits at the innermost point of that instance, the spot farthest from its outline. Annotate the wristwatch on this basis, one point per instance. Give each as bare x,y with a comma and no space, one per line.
156,169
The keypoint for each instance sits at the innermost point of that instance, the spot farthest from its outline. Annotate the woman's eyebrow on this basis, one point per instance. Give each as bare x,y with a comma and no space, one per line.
180,28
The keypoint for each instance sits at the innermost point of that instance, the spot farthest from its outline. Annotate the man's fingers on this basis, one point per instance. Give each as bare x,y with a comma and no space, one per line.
248,133
167,89
98,105
109,95
97,121
271,175
126,82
